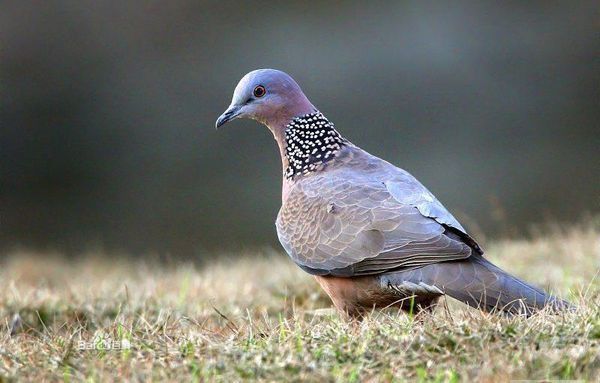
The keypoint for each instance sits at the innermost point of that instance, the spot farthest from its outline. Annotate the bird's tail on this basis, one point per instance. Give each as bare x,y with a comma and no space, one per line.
479,283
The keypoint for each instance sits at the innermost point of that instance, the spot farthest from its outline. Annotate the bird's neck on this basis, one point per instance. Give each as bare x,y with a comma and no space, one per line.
306,143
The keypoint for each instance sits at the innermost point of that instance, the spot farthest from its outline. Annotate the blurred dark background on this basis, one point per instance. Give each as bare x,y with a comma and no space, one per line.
107,113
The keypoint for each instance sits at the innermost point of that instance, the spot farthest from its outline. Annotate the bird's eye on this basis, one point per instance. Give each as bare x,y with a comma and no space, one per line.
259,91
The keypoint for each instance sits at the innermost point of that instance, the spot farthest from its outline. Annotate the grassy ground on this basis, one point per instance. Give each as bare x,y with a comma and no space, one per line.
257,316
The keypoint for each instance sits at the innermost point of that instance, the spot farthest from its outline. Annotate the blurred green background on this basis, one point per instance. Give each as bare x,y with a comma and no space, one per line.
107,113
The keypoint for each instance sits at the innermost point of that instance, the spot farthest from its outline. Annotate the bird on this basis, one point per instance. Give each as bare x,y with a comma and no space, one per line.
369,232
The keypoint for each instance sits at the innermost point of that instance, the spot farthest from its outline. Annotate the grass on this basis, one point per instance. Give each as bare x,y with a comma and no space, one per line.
257,316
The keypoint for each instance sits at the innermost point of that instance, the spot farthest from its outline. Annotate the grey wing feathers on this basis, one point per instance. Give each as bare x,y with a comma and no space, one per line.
340,225
408,190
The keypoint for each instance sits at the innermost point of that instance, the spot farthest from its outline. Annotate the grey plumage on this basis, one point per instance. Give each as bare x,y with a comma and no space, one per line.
351,215
478,283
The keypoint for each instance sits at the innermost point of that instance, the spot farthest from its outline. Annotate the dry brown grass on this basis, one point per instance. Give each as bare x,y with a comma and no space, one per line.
257,316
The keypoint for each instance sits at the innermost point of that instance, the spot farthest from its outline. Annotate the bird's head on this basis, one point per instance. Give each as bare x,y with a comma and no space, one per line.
268,96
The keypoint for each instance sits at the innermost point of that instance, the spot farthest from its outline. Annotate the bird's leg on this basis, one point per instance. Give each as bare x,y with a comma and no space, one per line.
352,297
419,307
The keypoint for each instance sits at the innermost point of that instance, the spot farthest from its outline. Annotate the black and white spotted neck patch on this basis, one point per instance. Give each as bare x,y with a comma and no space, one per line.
311,140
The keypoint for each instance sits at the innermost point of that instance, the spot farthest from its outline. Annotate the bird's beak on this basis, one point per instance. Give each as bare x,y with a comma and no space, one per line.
230,114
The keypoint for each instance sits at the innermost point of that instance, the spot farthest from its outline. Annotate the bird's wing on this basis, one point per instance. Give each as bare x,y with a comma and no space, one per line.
341,224
407,190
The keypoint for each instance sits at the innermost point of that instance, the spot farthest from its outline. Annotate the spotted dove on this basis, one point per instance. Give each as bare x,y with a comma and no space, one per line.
371,234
